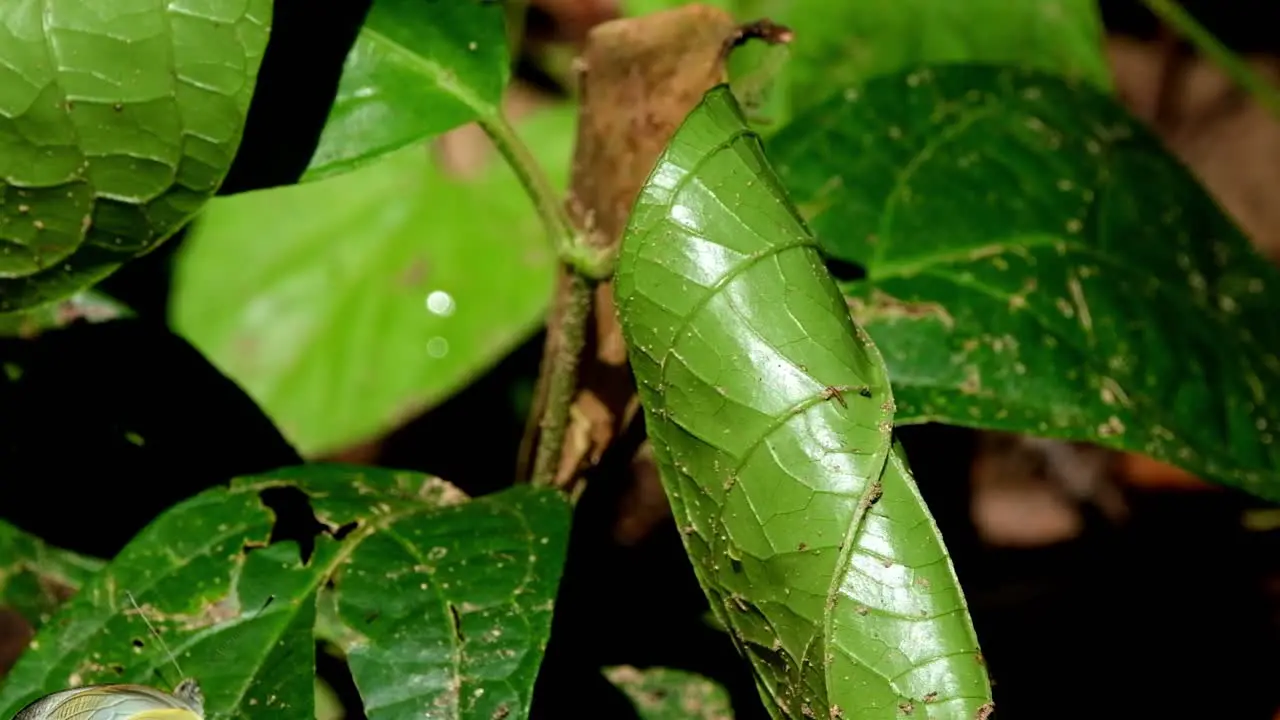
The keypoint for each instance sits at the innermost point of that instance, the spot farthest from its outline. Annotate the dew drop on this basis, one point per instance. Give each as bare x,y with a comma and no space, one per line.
441,303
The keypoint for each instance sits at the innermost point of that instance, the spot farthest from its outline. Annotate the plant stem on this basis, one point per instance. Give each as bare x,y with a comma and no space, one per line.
1169,11
562,381
569,246
570,324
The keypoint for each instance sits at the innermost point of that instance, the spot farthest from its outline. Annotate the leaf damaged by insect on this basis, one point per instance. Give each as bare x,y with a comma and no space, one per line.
749,366
36,578
372,529
987,204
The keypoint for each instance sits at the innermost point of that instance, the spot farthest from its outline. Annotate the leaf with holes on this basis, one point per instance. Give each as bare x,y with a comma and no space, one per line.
118,121
771,418
1037,262
418,68
35,579
444,603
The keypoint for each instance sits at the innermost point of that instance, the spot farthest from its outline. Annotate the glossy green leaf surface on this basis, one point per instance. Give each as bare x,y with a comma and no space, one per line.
118,121
35,579
446,602
346,305
771,419
87,305
667,694
419,68
1036,262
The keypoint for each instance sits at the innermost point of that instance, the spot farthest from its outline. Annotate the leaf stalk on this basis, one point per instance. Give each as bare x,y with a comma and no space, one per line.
570,246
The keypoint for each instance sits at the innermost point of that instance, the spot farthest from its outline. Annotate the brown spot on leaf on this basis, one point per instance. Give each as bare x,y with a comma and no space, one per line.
15,633
882,306
414,275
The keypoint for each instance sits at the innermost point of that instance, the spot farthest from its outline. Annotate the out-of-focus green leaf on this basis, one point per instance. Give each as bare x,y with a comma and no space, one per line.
444,604
88,305
636,8
346,305
118,121
36,579
1036,262
840,44
419,68
771,419
666,694
328,704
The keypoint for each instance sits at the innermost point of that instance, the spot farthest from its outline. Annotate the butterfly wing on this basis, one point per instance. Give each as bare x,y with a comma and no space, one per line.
109,702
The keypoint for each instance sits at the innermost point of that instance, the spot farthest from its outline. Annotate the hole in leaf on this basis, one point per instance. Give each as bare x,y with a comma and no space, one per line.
345,530
137,642
844,270
295,519
332,668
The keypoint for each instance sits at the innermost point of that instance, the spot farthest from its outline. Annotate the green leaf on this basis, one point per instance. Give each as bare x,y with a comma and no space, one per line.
1037,262
666,694
118,121
419,68
635,8
328,703
196,582
88,305
843,43
346,305
465,632
446,602
771,419
35,579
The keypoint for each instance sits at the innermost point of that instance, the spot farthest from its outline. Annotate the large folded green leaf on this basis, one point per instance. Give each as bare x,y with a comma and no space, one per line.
379,292
445,602
35,579
118,120
417,69
771,418
1037,262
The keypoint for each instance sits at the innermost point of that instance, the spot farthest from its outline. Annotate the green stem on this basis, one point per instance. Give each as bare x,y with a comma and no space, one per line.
569,246
562,380
1169,11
